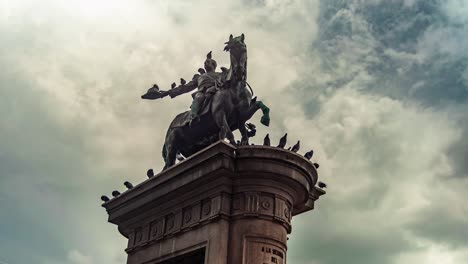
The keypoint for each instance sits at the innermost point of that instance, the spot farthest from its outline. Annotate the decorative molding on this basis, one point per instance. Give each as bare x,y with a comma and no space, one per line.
170,223
156,229
251,202
266,204
138,236
282,211
187,215
206,209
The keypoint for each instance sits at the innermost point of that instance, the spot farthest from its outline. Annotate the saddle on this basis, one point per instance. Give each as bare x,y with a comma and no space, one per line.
184,118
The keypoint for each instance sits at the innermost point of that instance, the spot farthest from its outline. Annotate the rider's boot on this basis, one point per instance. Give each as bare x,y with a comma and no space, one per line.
207,99
195,108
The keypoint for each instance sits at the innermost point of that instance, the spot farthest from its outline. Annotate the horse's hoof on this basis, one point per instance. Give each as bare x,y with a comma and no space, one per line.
265,120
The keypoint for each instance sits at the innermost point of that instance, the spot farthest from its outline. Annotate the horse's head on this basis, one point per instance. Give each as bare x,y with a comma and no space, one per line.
238,50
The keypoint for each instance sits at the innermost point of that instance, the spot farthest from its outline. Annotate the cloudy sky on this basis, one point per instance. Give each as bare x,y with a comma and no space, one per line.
378,88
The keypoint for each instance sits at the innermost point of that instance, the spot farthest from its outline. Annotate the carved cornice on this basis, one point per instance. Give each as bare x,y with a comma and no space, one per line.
220,182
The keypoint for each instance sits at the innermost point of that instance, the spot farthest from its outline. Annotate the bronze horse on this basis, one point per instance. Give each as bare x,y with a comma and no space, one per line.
230,108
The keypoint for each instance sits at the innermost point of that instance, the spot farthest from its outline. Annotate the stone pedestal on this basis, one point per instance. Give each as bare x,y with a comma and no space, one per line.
224,205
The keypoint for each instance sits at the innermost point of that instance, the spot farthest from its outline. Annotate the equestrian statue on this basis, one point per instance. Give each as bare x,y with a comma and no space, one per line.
221,104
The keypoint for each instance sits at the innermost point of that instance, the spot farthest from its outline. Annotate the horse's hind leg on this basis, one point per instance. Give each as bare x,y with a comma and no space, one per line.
224,129
243,132
171,150
170,158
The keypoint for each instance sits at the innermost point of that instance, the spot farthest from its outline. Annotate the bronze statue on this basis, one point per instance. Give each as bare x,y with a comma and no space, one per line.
221,104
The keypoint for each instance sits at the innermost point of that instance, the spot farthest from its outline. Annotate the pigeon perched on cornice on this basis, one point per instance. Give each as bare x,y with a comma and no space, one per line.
283,141
309,154
296,147
266,140
104,198
150,173
128,185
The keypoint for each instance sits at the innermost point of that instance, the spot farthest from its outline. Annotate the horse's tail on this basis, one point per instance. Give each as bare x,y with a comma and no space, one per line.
251,90
164,152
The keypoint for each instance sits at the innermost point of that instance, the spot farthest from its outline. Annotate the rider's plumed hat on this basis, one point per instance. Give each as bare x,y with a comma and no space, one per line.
209,59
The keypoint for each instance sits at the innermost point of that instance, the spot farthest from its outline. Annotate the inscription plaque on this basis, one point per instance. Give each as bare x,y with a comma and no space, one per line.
264,251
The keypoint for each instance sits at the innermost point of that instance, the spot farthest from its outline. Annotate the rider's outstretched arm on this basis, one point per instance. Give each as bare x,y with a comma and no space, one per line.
184,88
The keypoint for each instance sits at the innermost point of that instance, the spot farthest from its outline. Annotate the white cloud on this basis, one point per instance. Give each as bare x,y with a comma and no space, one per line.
383,161
433,254
76,257
86,67
457,10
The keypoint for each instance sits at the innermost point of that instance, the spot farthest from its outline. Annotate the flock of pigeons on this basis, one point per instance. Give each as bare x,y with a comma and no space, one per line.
282,143
266,142
308,155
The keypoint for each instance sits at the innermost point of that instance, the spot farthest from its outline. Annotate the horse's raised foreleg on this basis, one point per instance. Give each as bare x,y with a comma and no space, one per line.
254,107
265,120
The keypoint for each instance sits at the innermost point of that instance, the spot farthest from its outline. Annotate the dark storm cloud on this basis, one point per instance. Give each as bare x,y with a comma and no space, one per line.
412,51
458,153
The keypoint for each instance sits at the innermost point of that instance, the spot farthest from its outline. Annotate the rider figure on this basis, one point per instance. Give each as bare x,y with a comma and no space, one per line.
207,84
207,81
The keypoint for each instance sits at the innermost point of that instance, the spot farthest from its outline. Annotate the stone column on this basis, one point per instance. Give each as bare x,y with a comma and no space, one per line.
225,204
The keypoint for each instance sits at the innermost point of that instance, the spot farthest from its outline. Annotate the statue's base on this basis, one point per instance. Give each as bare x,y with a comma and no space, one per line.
225,204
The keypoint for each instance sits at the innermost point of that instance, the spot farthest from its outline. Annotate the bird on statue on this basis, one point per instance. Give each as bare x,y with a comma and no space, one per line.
104,198
128,185
266,140
150,173
322,185
296,147
115,193
155,88
316,165
182,81
283,141
309,154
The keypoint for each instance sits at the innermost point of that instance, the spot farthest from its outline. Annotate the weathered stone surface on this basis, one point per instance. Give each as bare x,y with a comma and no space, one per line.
234,203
